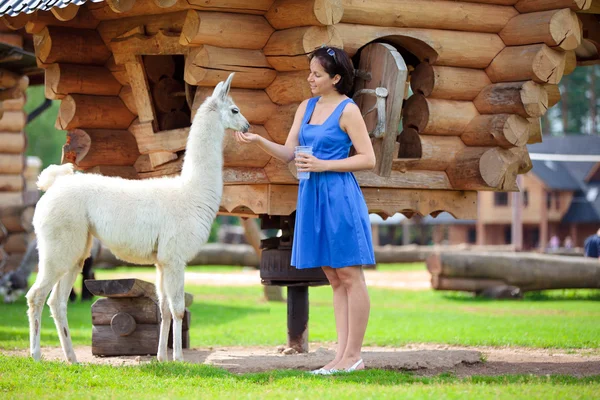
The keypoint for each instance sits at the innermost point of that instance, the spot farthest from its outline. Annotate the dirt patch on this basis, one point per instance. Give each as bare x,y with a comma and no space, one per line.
423,359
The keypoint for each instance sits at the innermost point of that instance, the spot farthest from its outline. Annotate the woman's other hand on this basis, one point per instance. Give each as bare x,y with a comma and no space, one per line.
309,163
246,137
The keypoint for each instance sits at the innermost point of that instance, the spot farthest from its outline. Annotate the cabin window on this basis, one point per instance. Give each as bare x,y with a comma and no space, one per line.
472,235
548,200
500,199
525,198
557,200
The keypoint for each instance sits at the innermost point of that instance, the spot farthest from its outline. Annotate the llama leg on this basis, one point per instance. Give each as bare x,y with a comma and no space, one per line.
165,315
58,307
35,300
173,279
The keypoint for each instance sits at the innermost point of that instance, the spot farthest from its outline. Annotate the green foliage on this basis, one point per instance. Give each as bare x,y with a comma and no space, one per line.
44,140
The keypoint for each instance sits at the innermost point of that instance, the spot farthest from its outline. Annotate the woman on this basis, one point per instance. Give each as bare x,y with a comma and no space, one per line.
332,229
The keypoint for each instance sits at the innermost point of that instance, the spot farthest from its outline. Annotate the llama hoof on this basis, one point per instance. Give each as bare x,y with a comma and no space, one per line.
36,355
162,358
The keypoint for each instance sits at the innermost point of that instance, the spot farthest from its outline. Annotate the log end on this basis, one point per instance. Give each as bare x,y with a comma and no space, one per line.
434,265
315,36
565,29
328,12
423,79
534,98
516,130
549,66
416,112
498,168
43,44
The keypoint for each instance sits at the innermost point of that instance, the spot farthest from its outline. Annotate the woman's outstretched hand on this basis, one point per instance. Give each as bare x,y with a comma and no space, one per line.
309,163
246,137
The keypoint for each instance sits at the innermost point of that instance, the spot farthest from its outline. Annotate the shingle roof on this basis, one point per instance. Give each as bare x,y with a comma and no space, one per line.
15,7
555,175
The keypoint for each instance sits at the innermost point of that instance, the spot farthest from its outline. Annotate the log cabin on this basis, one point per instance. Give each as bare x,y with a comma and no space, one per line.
466,84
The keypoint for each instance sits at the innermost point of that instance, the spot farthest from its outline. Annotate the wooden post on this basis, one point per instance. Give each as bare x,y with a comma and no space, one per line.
543,222
517,217
480,224
297,318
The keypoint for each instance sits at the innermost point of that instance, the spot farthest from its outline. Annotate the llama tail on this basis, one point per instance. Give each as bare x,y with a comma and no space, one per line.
49,175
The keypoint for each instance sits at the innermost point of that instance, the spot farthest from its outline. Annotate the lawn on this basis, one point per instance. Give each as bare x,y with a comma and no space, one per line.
227,316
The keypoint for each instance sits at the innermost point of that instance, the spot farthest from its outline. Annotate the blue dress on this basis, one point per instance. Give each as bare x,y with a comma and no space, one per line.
332,220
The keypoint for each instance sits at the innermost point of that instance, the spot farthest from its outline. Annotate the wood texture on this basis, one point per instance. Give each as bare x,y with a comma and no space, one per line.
555,28
65,79
94,112
285,14
447,15
448,83
225,30
484,168
502,130
13,142
535,62
527,99
91,147
287,49
289,87
209,65
425,152
438,47
74,46
436,116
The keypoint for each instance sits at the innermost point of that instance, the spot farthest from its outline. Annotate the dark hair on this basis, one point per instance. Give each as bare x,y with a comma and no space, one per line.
335,61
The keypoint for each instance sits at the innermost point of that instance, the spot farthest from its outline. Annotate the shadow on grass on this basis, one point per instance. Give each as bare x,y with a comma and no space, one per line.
539,296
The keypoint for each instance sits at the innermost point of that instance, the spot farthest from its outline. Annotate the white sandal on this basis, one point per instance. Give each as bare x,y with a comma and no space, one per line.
351,369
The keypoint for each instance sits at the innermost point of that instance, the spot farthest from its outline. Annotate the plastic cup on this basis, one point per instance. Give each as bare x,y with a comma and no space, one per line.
305,150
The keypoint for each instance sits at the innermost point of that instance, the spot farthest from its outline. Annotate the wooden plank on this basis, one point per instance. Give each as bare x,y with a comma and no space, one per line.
127,288
143,310
143,341
125,50
141,90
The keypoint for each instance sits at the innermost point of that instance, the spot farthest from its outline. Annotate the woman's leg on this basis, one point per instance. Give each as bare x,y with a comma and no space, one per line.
358,306
340,309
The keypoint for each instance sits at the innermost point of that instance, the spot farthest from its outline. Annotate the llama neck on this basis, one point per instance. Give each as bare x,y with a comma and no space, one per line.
203,162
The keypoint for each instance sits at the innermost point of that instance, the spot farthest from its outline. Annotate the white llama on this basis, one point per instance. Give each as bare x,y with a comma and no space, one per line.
157,221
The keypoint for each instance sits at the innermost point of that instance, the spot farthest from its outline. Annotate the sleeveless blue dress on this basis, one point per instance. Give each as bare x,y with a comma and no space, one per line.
332,220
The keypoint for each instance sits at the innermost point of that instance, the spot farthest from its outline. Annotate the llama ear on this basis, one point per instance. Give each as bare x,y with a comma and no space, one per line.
217,92
227,85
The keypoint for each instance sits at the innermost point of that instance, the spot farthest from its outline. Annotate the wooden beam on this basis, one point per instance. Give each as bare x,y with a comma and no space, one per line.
255,104
289,87
94,112
448,83
285,14
527,6
502,130
425,152
64,79
527,99
91,147
67,45
436,116
125,50
484,168
536,62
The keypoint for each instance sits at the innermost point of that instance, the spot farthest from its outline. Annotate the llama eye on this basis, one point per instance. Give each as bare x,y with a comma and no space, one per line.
235,110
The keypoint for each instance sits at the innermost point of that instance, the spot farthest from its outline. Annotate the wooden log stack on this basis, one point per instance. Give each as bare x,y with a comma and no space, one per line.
126,321
131,74
18,194
496,272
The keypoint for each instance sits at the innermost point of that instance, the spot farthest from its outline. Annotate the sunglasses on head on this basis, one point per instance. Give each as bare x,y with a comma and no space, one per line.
331,52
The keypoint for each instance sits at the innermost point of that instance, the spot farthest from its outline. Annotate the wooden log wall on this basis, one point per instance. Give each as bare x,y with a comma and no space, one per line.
483,73
18,173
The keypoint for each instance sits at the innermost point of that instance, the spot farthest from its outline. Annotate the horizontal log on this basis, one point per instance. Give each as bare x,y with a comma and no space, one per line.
448,15
94,112
501,130
143,341
64,79
255,105
438,47
413,179
225,30
484,168
289,87
167,95
448,83
170,141
527,99
17,219
12,163
14,143
167,21
244,175
209,65
466,285
236,155
16,243
127,50
536,62
287,49
527,271
19,199
13,121
127,288
555,28
38,20
14,104
423,152
143,310
436,116
11,183
527,6
280,122
285,14
72,46
149,7
91,147
9,79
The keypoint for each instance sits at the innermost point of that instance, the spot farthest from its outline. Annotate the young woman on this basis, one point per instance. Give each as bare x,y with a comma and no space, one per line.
332,229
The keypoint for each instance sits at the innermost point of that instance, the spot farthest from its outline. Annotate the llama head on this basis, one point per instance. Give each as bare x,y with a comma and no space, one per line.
231,116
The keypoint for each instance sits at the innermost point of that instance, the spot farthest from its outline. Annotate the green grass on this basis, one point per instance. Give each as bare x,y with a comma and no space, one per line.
416,266
225,316
22,378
